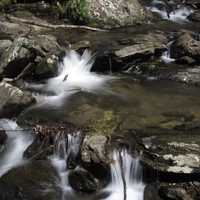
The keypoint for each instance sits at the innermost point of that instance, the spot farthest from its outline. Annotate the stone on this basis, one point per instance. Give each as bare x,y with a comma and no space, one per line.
186,45
41,51
107,13
83,181
13,100
94,156
33,181
188,75
195,16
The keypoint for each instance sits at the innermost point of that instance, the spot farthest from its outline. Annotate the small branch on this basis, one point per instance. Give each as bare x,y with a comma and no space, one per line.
52,26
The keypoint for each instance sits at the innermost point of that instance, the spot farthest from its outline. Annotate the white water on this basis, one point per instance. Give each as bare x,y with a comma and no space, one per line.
178,15
17,142
74,75
63,148
166,56
133,177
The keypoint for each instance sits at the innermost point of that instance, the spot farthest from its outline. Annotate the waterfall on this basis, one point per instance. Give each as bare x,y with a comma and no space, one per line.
64,147
17,142
74,74
166,56
126,177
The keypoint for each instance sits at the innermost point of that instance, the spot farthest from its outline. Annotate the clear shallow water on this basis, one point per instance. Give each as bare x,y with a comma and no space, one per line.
138,104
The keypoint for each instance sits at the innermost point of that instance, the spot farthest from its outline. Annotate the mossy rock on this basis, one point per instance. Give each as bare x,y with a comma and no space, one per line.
107,14
106,125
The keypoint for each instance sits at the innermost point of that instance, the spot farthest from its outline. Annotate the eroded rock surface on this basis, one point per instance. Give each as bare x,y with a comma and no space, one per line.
13,100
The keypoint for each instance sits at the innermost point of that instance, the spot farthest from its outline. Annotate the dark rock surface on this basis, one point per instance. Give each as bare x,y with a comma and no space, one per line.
82,181
23,182
186,45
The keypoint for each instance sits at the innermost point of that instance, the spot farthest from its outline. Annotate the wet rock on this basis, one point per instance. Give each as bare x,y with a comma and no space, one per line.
130,51
93,155
3,138
4,45
195,17
107,13
187,44
151,192
189,76
174,193
13,100
37,181
144,45
174,154
47,67
41,51
93,149
82,181
45,135
39,149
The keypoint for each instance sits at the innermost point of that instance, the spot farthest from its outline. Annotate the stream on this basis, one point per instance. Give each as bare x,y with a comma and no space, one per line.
91,99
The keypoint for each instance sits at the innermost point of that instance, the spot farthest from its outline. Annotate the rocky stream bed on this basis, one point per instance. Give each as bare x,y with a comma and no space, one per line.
105,110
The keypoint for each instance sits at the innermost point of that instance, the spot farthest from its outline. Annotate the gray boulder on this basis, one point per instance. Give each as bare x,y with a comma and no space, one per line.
40,51
107,13
186,46
13,100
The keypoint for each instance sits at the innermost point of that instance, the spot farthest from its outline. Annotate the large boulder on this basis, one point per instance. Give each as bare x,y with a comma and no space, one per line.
94,155
83,181
186,48
40,52
34,181
173,153
125,52
13,100
104,13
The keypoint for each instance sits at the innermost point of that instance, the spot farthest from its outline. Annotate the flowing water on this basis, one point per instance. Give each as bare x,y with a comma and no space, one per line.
74,75
17,142
126,178
63,149
177,14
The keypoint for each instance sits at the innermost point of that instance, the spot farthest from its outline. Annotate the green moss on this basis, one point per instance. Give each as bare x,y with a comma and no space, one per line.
105,125
4,3
77,11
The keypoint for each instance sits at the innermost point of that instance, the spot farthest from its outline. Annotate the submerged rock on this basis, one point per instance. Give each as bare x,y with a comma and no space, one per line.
13,100
113,13
82,181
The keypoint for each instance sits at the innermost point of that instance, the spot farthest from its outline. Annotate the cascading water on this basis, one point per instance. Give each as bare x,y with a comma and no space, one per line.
126,178
63,148
74,74
166,56
178,14
17,142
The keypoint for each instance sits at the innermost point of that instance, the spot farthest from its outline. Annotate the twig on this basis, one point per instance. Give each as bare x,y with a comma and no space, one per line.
52,26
